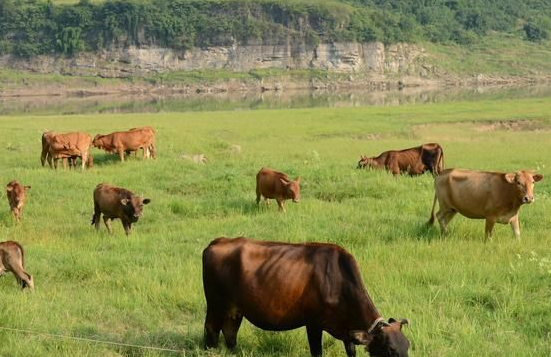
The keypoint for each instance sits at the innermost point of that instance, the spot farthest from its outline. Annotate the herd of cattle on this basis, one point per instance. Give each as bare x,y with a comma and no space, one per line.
283,286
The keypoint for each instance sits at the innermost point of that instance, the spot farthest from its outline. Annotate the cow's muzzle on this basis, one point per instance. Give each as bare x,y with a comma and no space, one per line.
296,200
528,199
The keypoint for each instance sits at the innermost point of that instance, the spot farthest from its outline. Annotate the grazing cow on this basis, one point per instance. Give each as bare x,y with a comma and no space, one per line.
16,198
115,202
414,161
127,141
68,146
281,286
276,185
494,196
12,259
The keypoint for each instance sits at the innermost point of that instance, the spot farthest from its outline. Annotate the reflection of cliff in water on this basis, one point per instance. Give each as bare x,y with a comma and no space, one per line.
251,101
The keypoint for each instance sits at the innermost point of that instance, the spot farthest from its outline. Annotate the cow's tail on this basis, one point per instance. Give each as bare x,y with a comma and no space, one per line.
431,220
440,164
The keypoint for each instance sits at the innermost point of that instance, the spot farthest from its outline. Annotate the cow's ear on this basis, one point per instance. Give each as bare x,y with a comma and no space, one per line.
537,177
359,337
146,201
297,180
27,188
9,188
285,183
124,201
510,178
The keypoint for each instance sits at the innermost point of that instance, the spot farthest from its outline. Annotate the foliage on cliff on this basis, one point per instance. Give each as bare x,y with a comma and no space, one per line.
32,27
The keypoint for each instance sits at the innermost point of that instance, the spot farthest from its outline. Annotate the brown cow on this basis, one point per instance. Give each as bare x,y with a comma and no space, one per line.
16,198
282,286
276,185
494,196
12,258
127,141
68,146
414,161
116,202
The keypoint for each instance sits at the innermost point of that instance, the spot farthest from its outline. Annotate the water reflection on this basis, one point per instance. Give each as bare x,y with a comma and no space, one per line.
250,101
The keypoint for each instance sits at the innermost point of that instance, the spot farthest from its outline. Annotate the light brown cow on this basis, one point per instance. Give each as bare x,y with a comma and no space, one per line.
276,185
12,259
16,197
116,202
413,161
494,196
127,141
68,146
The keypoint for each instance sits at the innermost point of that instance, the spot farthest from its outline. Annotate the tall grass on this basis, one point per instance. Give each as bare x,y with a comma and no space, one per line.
463,296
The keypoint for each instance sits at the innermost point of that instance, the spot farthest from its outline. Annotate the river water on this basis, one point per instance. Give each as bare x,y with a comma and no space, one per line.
61,105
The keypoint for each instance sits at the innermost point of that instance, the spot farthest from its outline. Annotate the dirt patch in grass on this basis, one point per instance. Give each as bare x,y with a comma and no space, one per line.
514,125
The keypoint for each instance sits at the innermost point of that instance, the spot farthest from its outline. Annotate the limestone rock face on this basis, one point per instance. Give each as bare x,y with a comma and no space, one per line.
366,58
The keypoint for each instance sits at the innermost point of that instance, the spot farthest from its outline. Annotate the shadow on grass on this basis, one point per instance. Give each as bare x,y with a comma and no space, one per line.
426,232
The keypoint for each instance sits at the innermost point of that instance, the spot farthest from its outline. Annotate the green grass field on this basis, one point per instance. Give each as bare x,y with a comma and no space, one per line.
464,297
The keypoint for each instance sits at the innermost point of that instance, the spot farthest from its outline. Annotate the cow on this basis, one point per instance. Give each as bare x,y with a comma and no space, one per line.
283,286
493,196
413,161
12,259
67,146
127,141
276,185
16,194
116,202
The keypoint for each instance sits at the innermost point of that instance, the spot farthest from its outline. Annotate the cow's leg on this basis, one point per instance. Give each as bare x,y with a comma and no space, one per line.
230,327
280,203
121,153
64,161
350,348
127,227
106,222
490,222
444,217
515,226
314,339
96,216
257,196
23,278
213,325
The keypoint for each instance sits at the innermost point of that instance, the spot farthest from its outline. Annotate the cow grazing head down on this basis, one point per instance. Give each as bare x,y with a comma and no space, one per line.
524,181
98,142
384,340
132,207
292,189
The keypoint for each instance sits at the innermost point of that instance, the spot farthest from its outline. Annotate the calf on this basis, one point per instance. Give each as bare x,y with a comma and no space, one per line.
116,202
413,161
493,196
276,185
281,286
127,141
12,259
16,198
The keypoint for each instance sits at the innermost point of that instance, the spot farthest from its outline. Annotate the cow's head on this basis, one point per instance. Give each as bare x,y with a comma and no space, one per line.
384,340
524,181
292,189
133,206
368,162
98,142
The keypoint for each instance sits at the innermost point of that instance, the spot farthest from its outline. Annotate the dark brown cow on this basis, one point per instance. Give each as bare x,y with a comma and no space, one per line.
68,146
127,141
115,202
281,286
16,194
276,185
12,259
414,161
493,196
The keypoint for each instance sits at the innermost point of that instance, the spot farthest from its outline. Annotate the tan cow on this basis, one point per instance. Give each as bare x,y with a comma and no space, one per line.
127,141
12,259
493,196
276,185
68,146
16,194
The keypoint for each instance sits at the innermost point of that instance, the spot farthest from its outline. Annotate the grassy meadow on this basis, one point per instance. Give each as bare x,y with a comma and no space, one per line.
464,297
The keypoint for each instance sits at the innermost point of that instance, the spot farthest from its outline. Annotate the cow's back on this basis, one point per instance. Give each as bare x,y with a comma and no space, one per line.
108,198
